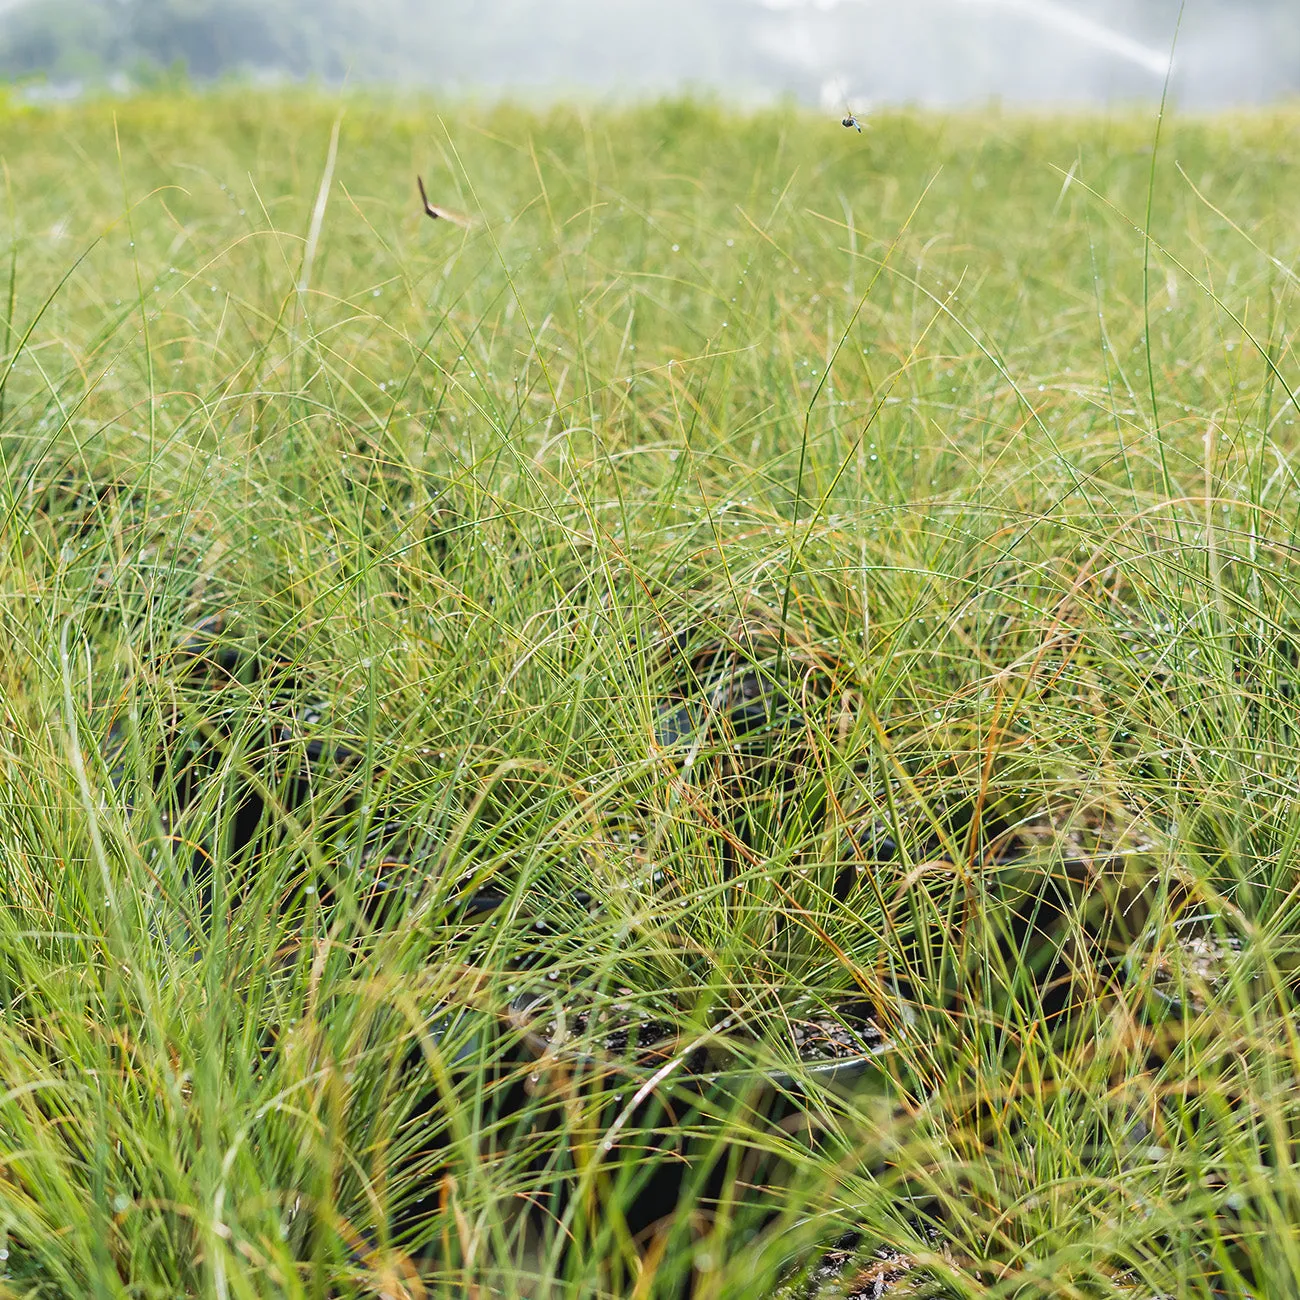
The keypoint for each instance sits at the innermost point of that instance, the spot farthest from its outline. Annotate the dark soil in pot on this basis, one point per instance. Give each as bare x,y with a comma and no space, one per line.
1190,964
849,1272
839,1042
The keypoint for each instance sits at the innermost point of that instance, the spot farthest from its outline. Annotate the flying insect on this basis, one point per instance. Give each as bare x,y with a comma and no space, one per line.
441,214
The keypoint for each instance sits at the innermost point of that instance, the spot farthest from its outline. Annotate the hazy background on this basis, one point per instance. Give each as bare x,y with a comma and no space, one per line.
932,52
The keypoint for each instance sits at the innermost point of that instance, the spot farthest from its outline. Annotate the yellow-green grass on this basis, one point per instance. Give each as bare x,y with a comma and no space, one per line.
976,434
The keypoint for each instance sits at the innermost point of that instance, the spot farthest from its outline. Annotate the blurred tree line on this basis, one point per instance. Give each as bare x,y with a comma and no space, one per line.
207,38
441,42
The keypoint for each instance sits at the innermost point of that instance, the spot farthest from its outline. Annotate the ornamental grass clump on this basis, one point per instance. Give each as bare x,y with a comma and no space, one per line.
726,729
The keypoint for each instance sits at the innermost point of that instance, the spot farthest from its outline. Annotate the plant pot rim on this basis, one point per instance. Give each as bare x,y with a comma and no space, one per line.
676,1067
841,1070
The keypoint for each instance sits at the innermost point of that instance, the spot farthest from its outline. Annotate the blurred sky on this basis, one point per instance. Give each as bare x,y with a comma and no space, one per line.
860,53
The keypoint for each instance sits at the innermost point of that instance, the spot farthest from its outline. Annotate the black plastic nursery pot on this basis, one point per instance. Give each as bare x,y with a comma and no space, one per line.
237,742
662,1127
731,710
480,1097
476,1104
1053,909
672,1129
730,695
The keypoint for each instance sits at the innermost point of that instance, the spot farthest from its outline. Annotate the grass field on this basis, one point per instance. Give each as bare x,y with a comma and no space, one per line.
758,581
